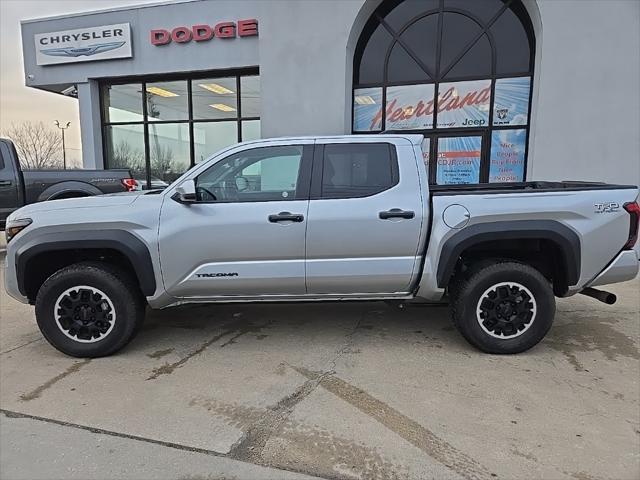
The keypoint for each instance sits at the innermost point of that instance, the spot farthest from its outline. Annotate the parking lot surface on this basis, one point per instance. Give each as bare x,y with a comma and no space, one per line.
341,391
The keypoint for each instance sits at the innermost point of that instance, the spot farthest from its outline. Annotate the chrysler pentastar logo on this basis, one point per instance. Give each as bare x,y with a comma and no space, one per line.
82,51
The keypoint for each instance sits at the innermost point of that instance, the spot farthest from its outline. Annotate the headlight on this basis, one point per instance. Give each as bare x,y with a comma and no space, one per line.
14,227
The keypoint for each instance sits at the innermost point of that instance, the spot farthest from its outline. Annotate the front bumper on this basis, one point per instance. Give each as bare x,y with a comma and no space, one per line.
623,268
10,278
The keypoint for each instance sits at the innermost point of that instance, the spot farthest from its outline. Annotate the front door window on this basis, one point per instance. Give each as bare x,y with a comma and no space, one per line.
256,175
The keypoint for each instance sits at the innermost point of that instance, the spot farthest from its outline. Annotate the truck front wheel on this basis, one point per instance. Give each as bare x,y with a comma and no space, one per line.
89,309
506,307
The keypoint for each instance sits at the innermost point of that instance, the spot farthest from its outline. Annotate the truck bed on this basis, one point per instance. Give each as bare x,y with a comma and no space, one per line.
590,216
39,184
523,187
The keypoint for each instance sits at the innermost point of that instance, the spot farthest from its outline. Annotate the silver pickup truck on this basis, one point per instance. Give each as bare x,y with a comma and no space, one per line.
317,219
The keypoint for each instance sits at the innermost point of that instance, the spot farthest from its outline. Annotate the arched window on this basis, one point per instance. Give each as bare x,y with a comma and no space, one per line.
458,71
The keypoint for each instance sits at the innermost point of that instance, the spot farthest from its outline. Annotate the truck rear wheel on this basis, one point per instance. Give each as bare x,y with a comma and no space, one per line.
89,309
506,307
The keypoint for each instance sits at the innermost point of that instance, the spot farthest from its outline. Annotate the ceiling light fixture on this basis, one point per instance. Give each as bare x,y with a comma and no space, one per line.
161,92
364,100
222,107
216,88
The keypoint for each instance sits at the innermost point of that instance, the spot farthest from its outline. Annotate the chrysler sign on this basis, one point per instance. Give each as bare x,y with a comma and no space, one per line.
83,44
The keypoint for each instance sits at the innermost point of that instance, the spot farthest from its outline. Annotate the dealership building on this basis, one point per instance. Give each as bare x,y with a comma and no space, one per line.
503,90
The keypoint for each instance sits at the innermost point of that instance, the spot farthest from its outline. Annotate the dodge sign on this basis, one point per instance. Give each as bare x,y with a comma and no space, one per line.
83,44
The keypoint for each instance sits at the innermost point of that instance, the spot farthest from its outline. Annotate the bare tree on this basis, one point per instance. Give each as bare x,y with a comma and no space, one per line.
38,146
125,156
162,162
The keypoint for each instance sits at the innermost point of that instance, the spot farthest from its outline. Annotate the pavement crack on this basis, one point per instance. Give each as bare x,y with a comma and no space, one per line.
37,392
347,345
160,353
250,446
20,346
101,431
403,426
252,443
168,368
239,326
244,331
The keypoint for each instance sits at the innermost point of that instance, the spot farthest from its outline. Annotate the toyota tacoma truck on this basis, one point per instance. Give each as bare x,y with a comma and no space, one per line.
321,219
21,187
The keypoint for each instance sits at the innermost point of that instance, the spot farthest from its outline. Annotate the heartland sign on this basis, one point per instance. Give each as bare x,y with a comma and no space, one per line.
453,109
204,32
83,44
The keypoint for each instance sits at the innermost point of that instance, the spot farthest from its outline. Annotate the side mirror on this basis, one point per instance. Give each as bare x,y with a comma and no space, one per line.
186,192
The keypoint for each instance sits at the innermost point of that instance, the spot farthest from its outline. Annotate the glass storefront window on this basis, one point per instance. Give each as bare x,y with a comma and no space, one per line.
511,105
250,98
367,109
169,147
250,130
425,147
214,98
458,160
209,137
186,121
123,103
479,57
410,107
507,155
167,101
464,104
125,148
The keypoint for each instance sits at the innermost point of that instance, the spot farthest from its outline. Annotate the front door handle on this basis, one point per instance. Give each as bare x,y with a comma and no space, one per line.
5,183
396,213
286,217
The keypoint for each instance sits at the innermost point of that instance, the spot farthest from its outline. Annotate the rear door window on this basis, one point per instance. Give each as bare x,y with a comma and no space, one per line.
358,169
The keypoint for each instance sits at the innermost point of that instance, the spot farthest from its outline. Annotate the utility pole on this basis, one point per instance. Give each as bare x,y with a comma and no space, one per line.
64,152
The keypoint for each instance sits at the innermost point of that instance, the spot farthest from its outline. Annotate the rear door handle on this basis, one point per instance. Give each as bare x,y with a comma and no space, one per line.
286,217
5,183
396,213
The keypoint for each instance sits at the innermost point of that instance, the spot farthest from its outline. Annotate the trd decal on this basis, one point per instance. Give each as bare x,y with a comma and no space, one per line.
608,207
214,275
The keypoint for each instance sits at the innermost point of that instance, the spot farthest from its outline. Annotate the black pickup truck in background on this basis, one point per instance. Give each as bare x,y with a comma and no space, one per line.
21,187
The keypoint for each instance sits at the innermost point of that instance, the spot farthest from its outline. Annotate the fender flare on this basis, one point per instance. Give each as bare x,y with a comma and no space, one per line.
134,249
564,237
70,186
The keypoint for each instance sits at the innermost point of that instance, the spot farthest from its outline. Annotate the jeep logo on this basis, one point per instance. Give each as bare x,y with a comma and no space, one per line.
214,275
472,122
609,207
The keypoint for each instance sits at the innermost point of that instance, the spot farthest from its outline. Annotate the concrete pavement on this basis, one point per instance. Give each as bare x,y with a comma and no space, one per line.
359,390
55,450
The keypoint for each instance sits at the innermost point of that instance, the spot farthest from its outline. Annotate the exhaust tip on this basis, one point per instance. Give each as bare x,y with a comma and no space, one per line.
605,297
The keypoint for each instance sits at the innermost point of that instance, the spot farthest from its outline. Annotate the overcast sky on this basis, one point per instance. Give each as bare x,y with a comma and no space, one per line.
17,102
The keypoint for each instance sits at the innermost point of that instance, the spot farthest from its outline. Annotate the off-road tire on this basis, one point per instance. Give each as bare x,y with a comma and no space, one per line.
119,289
468,290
